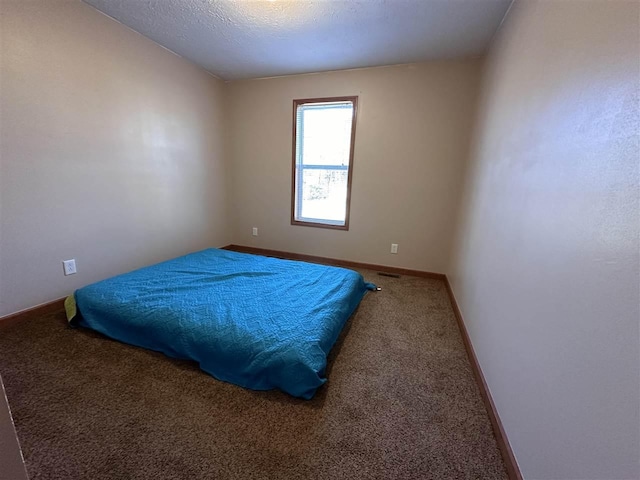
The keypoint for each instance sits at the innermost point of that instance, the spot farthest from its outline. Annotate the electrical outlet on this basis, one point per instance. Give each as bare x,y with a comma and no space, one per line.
394,248
69,266
255,231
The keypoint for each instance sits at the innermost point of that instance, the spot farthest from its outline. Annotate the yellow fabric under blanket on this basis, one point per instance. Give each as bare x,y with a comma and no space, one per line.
70,307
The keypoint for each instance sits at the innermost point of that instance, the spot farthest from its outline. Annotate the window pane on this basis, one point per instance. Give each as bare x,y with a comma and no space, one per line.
326,134
324,194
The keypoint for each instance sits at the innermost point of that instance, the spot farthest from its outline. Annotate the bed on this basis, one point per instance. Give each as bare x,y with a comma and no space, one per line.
259,322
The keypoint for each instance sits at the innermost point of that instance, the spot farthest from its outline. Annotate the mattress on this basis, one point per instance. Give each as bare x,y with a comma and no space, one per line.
258,322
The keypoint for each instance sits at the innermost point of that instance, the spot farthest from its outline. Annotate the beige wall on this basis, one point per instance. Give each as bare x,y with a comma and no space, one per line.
546,264
111,151
411,141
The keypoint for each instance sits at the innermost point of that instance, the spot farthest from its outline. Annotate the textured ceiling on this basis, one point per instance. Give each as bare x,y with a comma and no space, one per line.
236,39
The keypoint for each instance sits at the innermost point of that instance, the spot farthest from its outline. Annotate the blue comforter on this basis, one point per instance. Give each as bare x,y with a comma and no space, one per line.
254,321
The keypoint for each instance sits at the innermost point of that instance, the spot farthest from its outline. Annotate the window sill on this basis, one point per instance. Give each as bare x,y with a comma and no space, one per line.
321,225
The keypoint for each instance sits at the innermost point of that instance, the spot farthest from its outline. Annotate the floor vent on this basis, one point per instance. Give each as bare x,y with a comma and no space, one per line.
385,274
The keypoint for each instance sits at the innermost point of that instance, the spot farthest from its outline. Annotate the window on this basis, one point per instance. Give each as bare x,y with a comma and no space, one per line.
324,130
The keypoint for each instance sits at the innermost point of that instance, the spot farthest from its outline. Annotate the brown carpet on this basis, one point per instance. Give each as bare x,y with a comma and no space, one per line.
400,403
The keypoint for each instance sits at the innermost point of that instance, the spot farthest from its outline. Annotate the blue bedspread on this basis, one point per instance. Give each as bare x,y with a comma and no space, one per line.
254,321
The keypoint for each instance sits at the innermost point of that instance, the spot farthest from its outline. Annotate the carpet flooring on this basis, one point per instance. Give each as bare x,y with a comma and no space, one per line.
401,403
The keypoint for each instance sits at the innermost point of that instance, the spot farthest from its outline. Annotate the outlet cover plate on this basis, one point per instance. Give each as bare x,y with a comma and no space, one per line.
69,266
